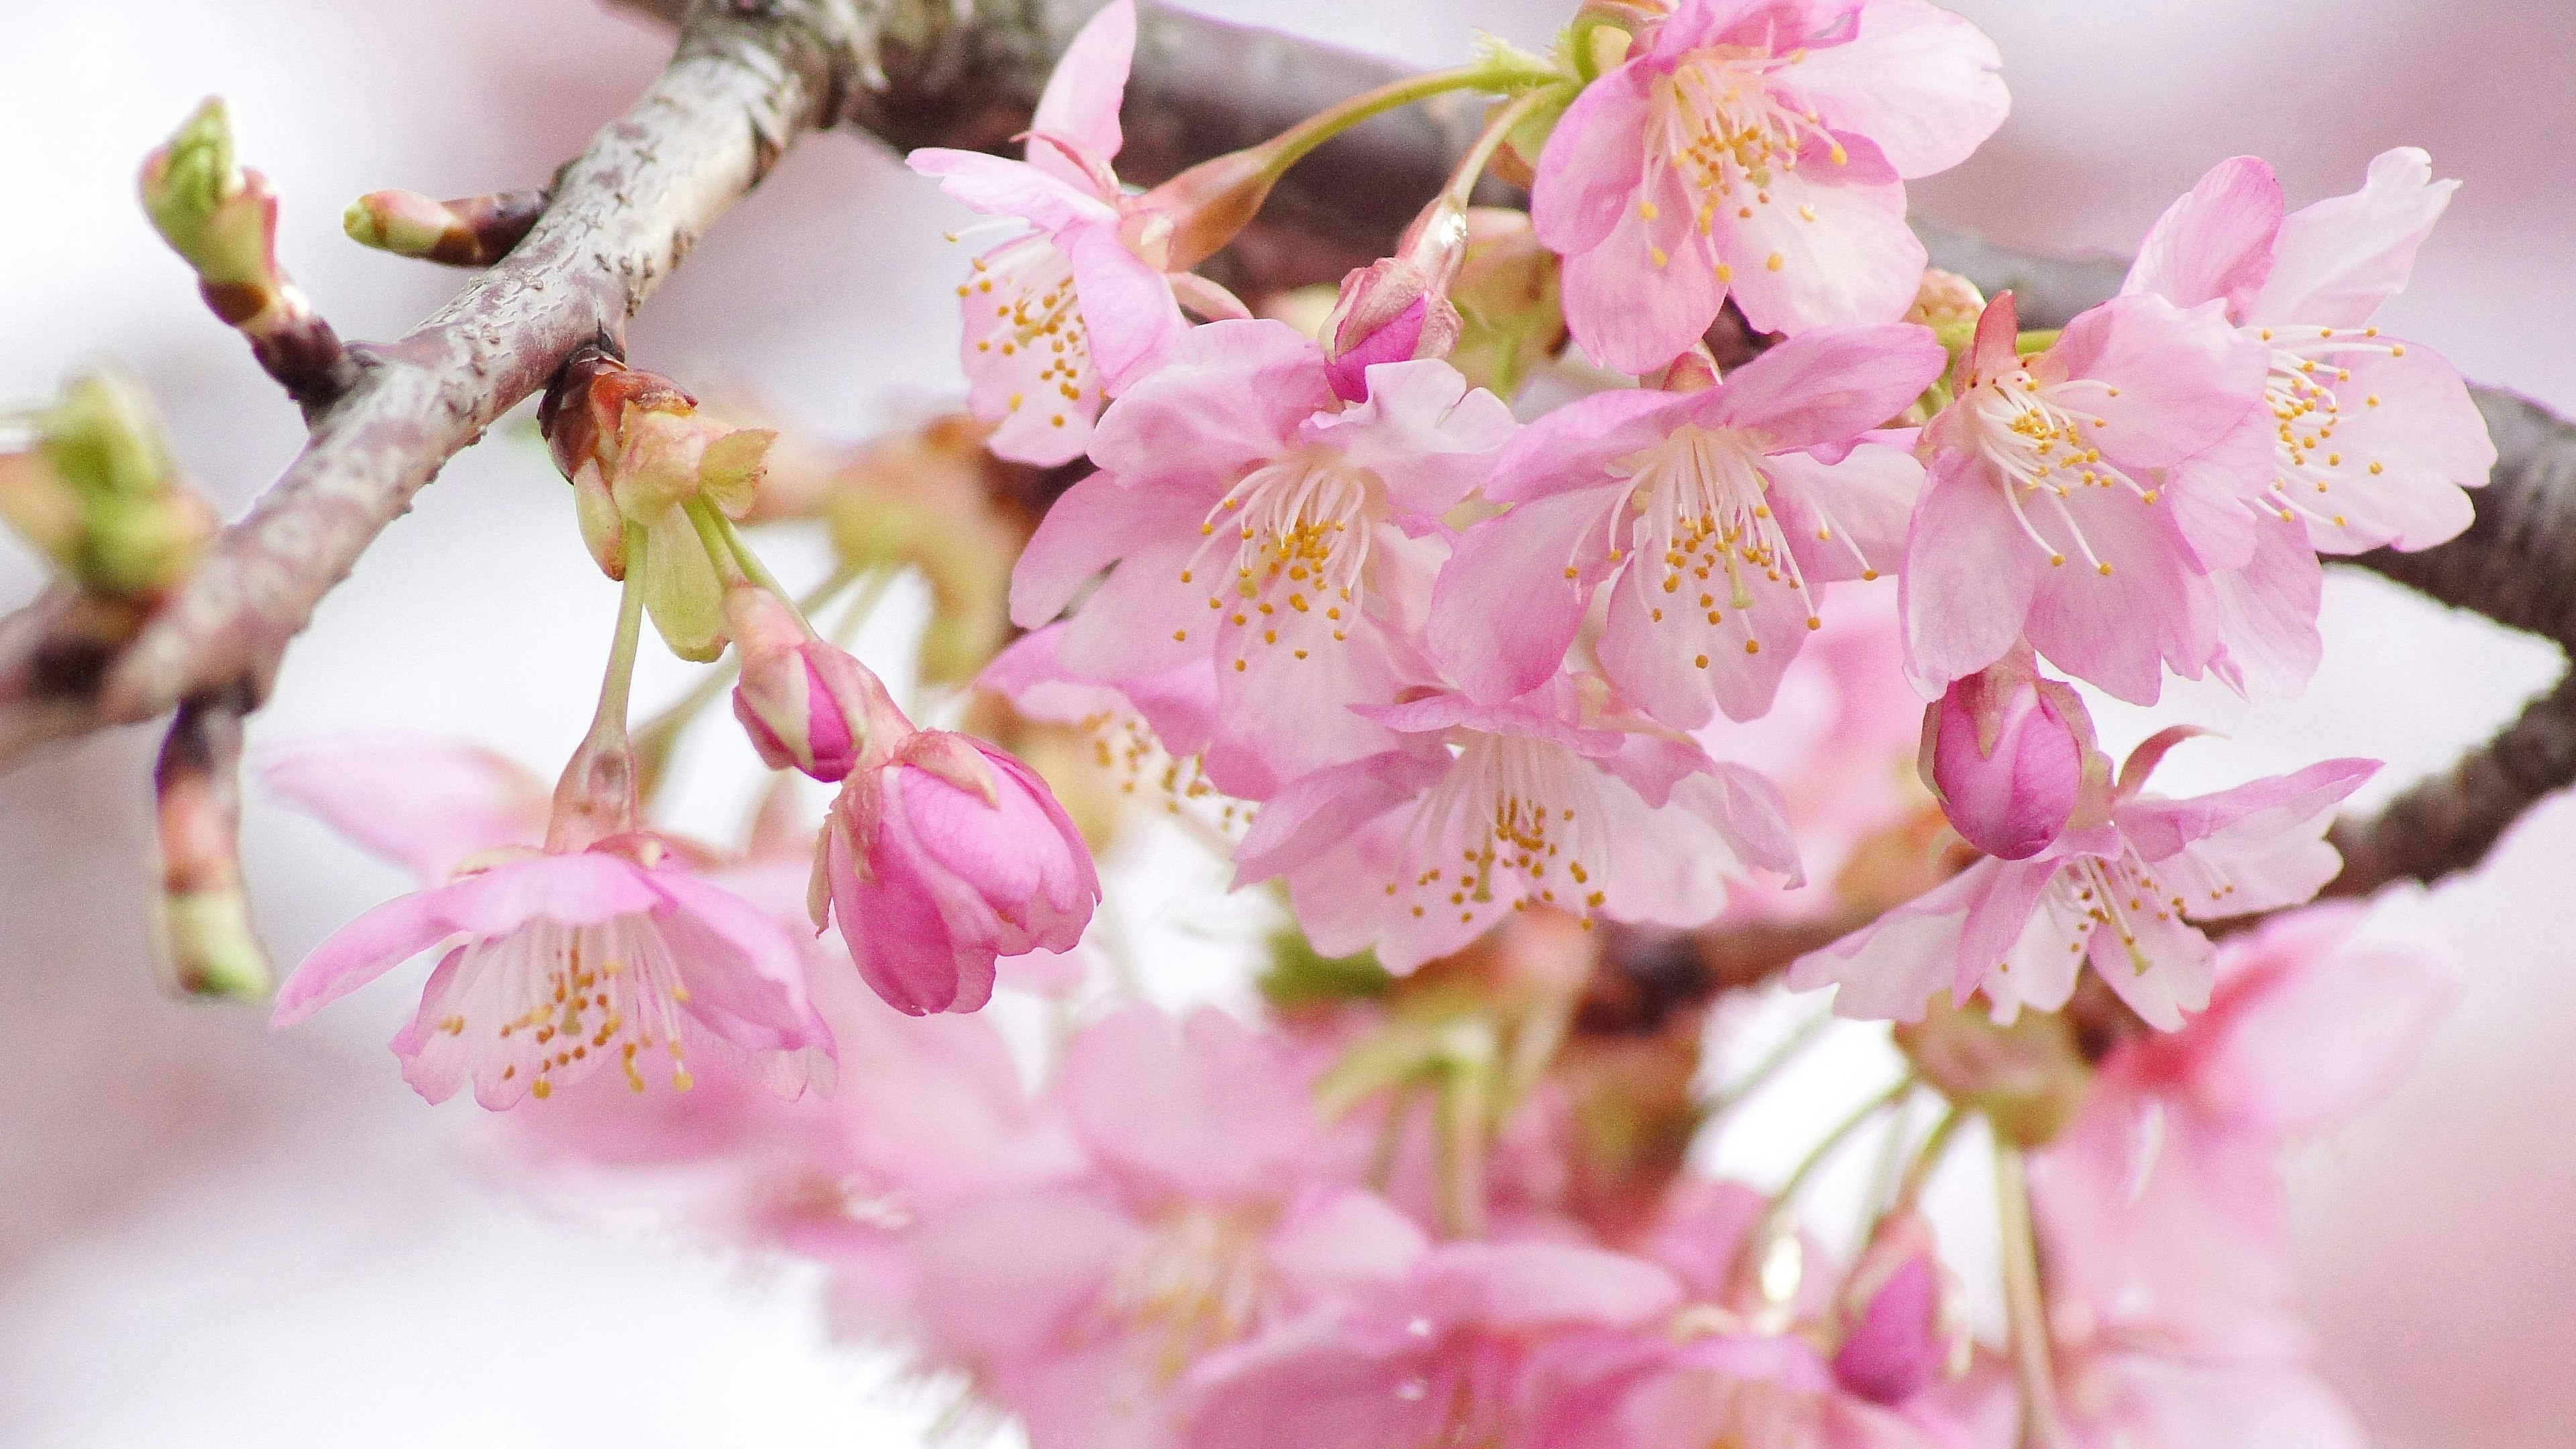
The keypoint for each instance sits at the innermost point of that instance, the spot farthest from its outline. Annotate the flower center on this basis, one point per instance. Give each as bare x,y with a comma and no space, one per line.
555,1001
1128,749
1514,813
1702,507
1021,307
1298,528
2306,409
2119,894
1198,1280
1718,126
2036,436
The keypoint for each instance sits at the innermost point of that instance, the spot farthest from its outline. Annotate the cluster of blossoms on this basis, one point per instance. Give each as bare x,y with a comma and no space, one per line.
1479,679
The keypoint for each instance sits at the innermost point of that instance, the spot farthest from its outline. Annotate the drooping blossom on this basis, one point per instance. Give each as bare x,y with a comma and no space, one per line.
1254,518
1548,800
1714,517
2119,888
1758,151
1059,319
2082,498
2005,751
1438,1355
1209,1205
940,855
2372,438
556,963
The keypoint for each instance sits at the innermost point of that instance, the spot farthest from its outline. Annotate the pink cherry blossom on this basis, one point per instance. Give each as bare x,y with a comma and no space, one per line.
1059,319
554,965
1248,515
2372,438
2082,497
1156,730
1757,150
1210,1206
1435,1357
422,801
2005,751
1713,517
942,854
2119,888
1490,808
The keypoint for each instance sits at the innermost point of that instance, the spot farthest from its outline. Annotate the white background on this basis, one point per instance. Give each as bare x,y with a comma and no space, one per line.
209,1236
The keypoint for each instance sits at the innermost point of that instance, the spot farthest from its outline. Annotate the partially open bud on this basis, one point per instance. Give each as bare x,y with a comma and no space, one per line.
640,453
220,218
99,494
1510,317
1192,217
1903,1318
805,705
473,231
1397,308
2006,751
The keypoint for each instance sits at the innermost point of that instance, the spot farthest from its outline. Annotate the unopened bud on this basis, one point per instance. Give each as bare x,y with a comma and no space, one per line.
219,217
1397,308
2027,1079
1903,1313
1693,371
2006,751
1192,217
1506,293
473,231
804,704
100,496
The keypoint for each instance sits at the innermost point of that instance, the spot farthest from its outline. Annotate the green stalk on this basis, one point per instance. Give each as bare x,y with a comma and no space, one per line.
2025,1307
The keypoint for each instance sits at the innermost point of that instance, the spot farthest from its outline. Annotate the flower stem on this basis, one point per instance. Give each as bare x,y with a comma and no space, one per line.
1759,1075
2025,1310
595,798
1498,128
1817,1155
1927,1158
658,736
1291,146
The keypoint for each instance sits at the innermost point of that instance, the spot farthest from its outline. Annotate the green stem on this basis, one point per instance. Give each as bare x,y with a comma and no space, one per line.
1817,1155
749,562
1460,1105
1927,1158
1759,1075
1498,128
1292,145
615,688
2025,1307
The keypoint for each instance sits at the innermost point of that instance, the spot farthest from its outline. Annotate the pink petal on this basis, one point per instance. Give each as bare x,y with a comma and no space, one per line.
2183,379
1228,395
2410,418
1127,306
1630,313
1827,385
1081,98
2267,613
745,976
1915,79
1143,620
1890,969
2164,969
2119,630
1574,446
1519,1286
997,187
1506,609
1589,172
1210,1111
2339,259
361,951
1865,503
423,802
1661,652
1097,522
1970,576
2215,242
1299,822
1426,434
1838,232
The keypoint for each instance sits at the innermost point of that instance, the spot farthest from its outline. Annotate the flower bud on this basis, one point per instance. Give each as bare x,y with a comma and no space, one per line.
805,704
2006,751
474,231
1397,308
1506,294
100,496
943,857
2027,1079
219,217
1902,1313
1192,217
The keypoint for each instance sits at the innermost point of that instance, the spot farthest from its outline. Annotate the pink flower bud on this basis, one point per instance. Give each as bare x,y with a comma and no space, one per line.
2006,752
944,857
1901,1311
1397,308
804,704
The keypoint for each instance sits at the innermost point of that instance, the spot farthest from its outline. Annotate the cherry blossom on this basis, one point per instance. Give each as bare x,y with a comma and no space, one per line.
1248,515
1549,800
1714,518
2082,497
2120,888
1758,151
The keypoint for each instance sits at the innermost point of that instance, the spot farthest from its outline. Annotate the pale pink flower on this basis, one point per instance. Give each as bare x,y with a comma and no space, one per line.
1254,518
2081,497
1486,809
1437,1356
2372,438
1059,319
1158,729
1210,1206
1757,150
2005,751
1714,517
2119,888
554,965
942,854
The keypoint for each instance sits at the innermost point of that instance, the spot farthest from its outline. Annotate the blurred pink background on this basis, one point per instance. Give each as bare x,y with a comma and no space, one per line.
215,1237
